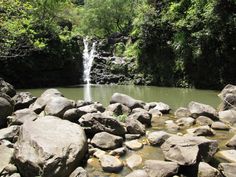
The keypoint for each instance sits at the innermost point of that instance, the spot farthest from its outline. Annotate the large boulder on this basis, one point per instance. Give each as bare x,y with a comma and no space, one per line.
7,88
126,100
118,109
39,105
23,100
106,141
188,150
57,106
157,168
185,121
228,116
49,147
198,109
157,138
203,120
97,122
201,131
133,126
228,96
228,169
92,108
21,116
219,126
205,170
6,109
9,133
142,116
228,155
73,114
6,156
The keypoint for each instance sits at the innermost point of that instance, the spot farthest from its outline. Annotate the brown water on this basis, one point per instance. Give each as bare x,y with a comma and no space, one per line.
175,97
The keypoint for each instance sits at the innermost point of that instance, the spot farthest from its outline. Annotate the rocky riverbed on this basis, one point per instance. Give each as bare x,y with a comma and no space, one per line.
52,136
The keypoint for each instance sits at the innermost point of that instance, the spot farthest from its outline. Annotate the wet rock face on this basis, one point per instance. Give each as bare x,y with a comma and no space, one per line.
188,150
6,109
7,88
49,146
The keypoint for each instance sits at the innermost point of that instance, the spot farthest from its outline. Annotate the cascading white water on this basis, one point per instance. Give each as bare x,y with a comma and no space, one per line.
88,56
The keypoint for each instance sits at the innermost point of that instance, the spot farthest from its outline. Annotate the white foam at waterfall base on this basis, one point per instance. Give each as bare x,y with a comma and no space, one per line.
88,56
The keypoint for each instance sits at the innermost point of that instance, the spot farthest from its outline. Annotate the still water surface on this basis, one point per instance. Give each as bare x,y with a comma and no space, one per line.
175,97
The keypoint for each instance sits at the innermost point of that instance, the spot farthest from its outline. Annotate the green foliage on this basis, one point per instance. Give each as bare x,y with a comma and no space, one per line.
121,118
102,18
119,49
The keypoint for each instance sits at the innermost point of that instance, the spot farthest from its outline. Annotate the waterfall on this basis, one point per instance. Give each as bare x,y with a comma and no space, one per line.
88,56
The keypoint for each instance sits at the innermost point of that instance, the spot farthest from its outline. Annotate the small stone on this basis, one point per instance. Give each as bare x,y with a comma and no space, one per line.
134,161
133,145
138,173
219,126
185,122
201,131
232,142
182,112
111,164
118,152
79,172
132,136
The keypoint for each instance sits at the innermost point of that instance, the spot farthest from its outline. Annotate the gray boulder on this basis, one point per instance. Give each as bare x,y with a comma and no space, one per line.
138,173
155,112
49,147
57,106
23,100
205,170
118,109
228,96
6,156
118,152
134,160
9,133
106,141
111,164
157,138
133,126
232,142
203,120
201,131
143,116
40,103
92,108
79,172
21,116
228,116
188,150
126,100
162,107
228,155
157,168
185,122
132,136
73,114
7,88
97,122
198,109
6,109
182,112
133,145
228,169
219,126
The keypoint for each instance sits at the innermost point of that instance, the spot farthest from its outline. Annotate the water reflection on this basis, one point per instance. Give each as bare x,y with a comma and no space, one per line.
87,92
